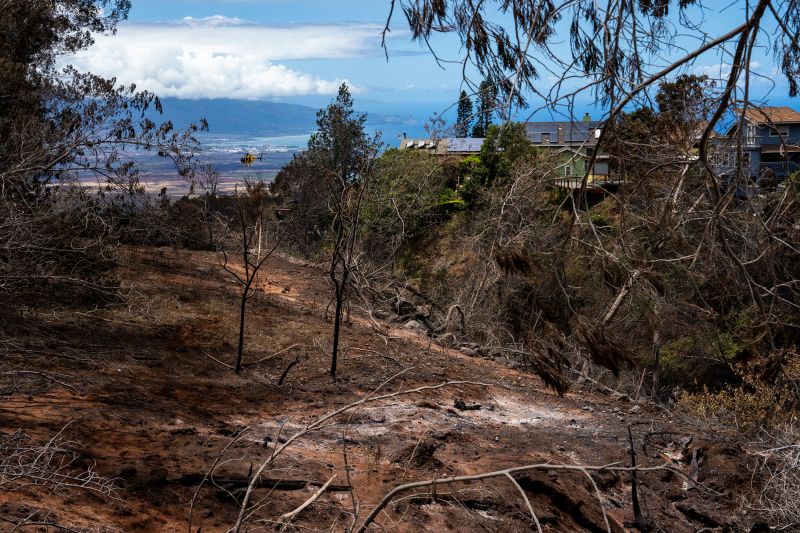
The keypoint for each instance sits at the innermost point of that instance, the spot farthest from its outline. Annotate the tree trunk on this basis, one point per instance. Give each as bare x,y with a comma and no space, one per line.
656,354
240,351
656,357
337,323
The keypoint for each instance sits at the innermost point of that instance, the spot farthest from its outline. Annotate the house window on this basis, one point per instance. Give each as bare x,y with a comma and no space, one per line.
781,130
745,159
568,170
751,134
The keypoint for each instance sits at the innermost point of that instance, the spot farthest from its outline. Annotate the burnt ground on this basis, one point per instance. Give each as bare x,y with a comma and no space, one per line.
134,389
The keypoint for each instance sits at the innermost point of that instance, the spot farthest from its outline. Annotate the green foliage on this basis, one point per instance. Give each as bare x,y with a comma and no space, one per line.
685,100
340,148
450,201
556,196
504,146
676,359
684,106
484,109
729,346
794,181
404,193
464,117
472,177
602,216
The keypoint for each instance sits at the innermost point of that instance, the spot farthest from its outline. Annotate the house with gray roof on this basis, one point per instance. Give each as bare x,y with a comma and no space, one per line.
450,146
575,142
769,142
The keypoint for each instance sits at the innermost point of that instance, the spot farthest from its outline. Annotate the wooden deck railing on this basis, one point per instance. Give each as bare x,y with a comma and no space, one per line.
595,181
780,168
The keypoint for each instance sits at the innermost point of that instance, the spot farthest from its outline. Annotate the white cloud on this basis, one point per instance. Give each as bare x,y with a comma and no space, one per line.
721,70
220,57
214,20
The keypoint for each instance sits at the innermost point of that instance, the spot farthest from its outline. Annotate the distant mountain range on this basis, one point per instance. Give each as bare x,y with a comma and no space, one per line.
263,118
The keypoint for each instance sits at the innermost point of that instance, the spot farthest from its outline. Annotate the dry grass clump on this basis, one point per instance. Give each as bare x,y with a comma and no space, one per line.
777,498
768,396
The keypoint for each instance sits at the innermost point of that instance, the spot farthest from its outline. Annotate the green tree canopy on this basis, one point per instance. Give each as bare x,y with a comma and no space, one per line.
340,147
503,147
464,118
484,109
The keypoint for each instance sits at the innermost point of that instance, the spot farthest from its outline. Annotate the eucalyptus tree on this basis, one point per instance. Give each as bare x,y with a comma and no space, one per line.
682,242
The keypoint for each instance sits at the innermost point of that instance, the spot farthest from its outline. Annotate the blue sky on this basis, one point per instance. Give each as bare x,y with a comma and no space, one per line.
266,11
301,50
284,50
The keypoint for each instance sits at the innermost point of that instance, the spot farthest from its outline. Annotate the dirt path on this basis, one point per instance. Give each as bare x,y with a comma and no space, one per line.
151,409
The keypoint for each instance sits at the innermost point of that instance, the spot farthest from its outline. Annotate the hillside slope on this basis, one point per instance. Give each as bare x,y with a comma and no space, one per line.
262,118
141,394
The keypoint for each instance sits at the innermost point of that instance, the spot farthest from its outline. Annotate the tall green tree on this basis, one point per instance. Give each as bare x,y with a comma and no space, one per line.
340,146
485,109
685,105
344,155
464,118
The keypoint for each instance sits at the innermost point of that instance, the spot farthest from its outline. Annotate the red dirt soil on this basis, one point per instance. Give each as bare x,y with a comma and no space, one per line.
152,409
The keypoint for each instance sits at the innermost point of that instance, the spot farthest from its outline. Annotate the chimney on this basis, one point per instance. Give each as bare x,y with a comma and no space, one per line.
560,134
587,118
404,135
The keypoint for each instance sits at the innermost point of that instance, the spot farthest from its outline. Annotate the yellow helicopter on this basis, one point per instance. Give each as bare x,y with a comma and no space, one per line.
249,158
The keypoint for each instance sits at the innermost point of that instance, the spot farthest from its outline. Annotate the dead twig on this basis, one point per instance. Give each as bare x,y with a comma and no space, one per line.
274,355
226,365
210,471
286,518
286,371
46,375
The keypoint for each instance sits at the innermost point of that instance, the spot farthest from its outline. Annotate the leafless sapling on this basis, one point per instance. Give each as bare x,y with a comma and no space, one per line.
256,240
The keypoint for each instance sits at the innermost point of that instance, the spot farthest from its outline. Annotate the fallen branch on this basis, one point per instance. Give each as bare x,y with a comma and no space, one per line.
527,501
623,292
276,354
319,422
53,465
508,472
288,517
45,375
188,480
602,388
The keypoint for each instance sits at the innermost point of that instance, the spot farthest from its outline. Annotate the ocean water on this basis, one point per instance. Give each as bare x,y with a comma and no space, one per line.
224,153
